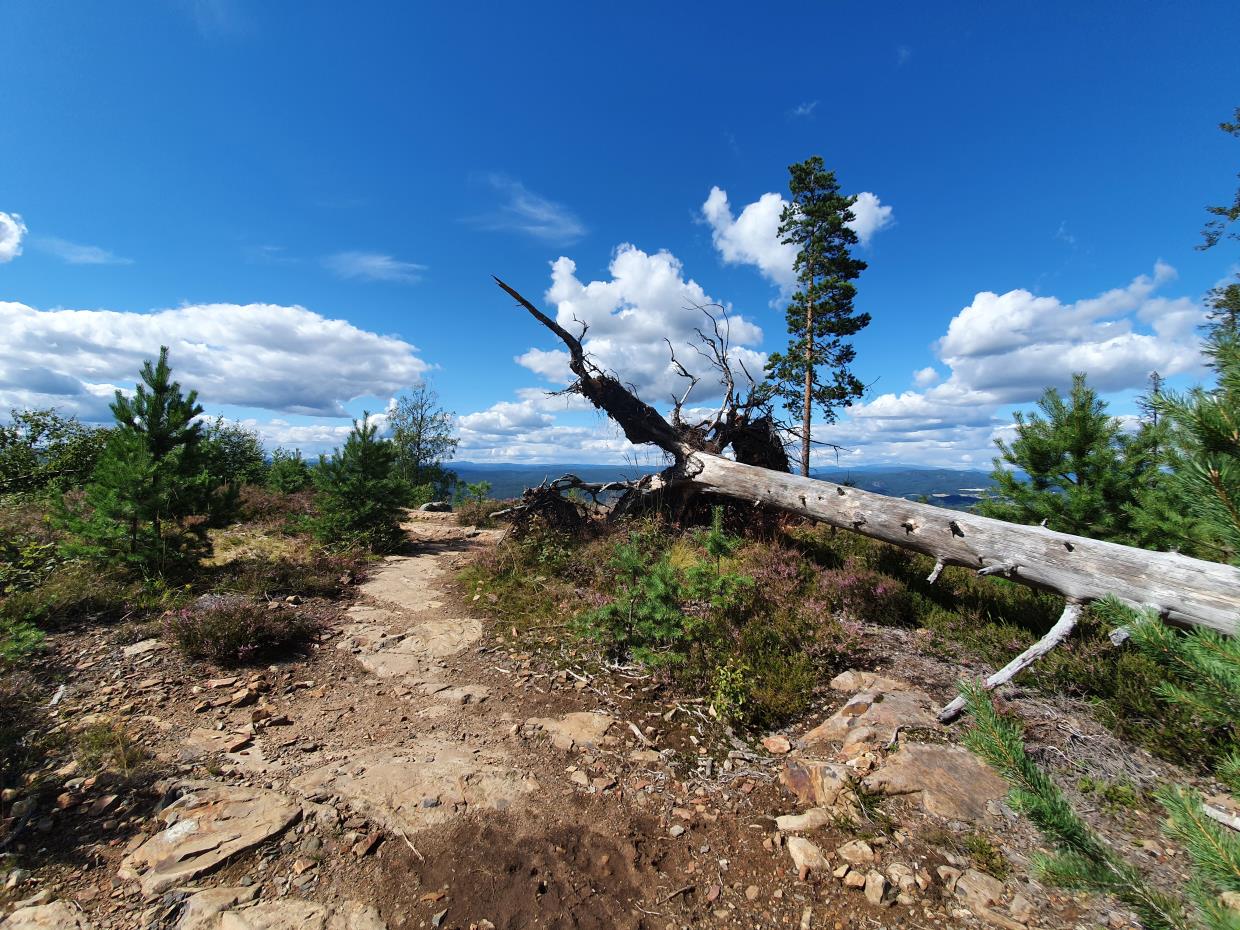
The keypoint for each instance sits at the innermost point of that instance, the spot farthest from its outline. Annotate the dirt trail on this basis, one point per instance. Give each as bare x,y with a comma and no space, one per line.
417,770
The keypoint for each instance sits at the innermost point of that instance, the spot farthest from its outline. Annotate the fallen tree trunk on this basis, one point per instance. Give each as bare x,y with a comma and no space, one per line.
1185,591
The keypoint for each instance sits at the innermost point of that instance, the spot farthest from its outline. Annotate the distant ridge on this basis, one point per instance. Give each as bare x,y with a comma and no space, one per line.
947,487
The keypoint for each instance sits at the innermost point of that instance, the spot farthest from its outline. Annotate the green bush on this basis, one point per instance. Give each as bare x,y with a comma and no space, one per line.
288,472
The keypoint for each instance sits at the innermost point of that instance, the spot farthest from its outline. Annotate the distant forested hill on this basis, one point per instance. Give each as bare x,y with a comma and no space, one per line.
947,487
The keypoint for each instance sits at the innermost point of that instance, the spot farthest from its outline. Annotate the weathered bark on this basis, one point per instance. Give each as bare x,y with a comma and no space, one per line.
1183,590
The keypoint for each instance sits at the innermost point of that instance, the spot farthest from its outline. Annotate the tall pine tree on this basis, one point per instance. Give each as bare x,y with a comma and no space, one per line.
814,370
149,482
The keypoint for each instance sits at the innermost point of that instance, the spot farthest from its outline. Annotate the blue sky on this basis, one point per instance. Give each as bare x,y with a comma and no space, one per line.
307,200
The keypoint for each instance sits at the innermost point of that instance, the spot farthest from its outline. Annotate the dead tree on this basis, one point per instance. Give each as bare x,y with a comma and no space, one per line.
1185,591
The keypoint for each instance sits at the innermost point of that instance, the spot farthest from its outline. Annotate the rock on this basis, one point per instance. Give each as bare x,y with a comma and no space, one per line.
951,782
977,889
751,893
388,785
645,756
579,778
853,681
1023,910
436,507
58,915
806,856
202,910
812,819
367,844
142,647
777,745
856,852
854,879
579,729
902,876
816,784
676,830
875,886
872,716
296,914
948,876
209,824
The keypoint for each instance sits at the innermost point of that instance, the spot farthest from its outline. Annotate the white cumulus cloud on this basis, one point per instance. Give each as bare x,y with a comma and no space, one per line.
646,300
12,229
752,238
278,358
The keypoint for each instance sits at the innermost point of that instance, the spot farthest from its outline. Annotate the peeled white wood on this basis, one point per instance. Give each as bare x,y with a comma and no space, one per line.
1054,636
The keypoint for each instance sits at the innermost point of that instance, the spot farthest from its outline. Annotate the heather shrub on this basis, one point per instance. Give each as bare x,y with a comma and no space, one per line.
473,512
233,630
865,595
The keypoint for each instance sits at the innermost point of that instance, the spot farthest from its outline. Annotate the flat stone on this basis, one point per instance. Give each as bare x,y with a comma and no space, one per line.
387,785
812,819
979,890
296,914
806,856
59,915
777,745
853,681
872,716
578,729
856,852
951,782
142,647
209,824
202,910
875,886
816,784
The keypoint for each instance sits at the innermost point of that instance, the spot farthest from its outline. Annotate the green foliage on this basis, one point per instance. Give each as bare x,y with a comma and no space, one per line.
1202,447
422,433
1203,676
144,504
644,618
474,493
18,639
985,853
288,472
41,449
1082,861
361,499
233,454
1083,471
1115,796
1224,214
820,315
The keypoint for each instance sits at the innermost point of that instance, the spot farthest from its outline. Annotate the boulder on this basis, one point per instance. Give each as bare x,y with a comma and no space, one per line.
873,716
579,729
207,825
58,915
436,507
949,781
806,856
816,784
229,909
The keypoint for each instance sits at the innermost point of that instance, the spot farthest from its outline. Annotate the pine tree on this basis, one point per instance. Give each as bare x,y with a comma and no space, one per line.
1083,862
1224,214
814,371
360,498
149,482
1202,447
1083,472
289,472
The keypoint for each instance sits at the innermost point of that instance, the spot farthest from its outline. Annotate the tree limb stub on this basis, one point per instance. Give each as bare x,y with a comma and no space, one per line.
1186,591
